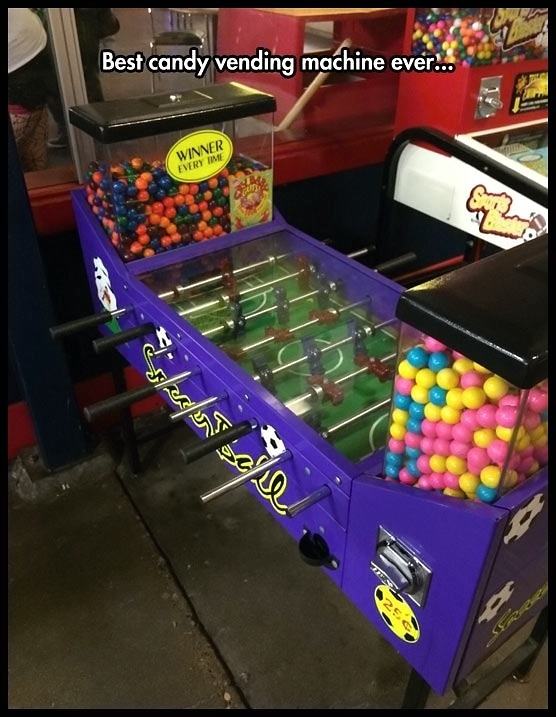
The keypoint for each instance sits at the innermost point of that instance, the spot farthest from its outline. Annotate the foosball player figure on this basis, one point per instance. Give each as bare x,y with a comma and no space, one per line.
229,281
238,319
282,306
305,271
261,369
362,359
332,392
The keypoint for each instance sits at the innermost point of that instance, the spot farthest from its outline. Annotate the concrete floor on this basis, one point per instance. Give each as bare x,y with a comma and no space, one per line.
125,592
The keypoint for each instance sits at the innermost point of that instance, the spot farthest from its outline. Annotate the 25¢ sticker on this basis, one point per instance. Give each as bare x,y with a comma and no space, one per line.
397,614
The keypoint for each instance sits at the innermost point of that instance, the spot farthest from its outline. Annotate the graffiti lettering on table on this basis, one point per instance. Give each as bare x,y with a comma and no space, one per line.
511,616
271,485
492,212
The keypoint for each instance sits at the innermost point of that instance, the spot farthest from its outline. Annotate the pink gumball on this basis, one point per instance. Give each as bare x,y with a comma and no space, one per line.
509,400
413,440
521,477
529,451
427,446
404,385
433,345
442,447
497,451
541,454
423,464
538,400
469,419
437,481
406,477
525,464
506,416
460,432
451,480
471,378
531,420
424,483
457,355
444,430
428,428
459,449
396,446
513,463
477,459
486,416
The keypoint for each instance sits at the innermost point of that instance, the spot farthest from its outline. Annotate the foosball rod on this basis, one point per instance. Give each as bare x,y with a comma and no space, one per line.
86,322
218,277
305,325
223,299
314,392
356,417
369,330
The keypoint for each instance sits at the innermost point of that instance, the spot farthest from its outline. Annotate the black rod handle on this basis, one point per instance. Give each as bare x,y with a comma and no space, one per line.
213,443
396,263
86,322
116,403
122,337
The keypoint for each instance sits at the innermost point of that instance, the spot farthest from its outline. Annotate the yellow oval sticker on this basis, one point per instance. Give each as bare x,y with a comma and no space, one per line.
397,614
199,156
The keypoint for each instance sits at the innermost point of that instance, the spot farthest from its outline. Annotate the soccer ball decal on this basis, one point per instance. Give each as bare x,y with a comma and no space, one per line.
495,602
104,290
521,522
163,339
273,444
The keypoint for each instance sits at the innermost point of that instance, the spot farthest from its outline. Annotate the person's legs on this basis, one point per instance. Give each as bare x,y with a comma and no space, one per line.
31,131
60,140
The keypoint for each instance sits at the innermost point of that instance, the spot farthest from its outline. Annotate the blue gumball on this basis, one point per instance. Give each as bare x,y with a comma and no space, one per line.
392,471
413,425
165,182
411,466
437,396
119,187
413,453
402,402
418,357
160,194
486,494
438,360
417,410
394,459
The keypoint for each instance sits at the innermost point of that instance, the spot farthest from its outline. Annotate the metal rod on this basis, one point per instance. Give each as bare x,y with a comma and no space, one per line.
309,500
359,252
173,379
366,412
244,477
223,299
311,322
190,410
218,278
163,350
269,309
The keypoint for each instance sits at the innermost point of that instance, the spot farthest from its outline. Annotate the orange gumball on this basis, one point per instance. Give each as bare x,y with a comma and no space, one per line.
148,252
171,229
164,222
213,183
143,196
141,184
207,216
143,239
184,189
194,189
208,232
155,219
136,248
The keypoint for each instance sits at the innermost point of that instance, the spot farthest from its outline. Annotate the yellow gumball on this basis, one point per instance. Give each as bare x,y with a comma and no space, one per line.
397,431
510,479
471,496
433,412
406,370
462,365
521,432
447,378
473,397
454,400
490,476
523,443
419,394
504,434
450,415
456,465
533,469
479,368
454,493
425,378
483,437
437,463
495,388
468,482
540,442
399,416
536,433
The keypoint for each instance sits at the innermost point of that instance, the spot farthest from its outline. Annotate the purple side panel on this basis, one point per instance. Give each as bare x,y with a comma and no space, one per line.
455,539
517,587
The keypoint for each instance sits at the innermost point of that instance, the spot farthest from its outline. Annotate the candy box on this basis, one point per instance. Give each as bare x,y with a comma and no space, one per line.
469,414
173,170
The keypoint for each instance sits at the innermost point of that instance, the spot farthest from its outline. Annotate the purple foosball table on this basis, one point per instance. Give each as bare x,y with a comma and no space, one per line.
400,437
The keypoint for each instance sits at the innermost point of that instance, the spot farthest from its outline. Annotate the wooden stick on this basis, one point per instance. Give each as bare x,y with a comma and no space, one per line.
295,111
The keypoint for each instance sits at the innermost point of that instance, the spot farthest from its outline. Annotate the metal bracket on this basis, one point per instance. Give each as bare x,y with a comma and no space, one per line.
397,565
488,99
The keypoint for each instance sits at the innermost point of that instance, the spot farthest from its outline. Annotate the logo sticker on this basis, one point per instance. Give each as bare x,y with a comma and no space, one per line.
199,156
530,92
397,614
251,199
492,212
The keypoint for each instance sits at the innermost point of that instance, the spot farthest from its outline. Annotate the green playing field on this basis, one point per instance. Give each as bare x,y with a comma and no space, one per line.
358,438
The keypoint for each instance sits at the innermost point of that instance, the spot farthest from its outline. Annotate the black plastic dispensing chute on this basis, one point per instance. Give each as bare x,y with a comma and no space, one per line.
494,311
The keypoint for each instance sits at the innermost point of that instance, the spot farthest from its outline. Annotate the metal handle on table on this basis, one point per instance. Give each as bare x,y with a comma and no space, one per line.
207,445
86,322
309,500
122,337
